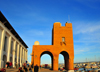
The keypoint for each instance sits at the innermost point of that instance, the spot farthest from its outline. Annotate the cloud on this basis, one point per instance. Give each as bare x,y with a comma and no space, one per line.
37,16
91,52
93,4
87,27
35,32
86,32
81,50
86,41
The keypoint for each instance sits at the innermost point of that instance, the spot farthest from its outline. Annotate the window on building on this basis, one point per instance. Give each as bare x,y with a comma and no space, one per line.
16,50
10,59
11,50
19,51
63,39
5,43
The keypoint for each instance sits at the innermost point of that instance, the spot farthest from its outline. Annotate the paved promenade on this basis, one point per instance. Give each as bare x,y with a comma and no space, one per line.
40,70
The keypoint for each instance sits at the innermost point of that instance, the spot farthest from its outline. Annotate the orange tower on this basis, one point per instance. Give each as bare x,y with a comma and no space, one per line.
62,43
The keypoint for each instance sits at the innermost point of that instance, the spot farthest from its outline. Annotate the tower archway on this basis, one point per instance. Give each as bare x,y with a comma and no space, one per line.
62,43
50,54
66,59
61,61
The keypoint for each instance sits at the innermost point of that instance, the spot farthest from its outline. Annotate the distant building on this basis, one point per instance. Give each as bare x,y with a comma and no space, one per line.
12,47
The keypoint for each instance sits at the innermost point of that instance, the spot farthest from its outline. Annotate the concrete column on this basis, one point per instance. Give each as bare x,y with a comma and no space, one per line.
14,47
23,56
55,63
8,50
26,54
0,36
1,48
20,56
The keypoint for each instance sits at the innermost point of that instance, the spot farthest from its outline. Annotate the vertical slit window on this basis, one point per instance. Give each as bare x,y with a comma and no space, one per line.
63,39
5,43
11,50
16,50
19,51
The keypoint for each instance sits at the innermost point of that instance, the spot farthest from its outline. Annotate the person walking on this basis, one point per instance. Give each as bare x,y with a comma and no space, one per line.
3,70
7,64
10,64
36,68
26,70
20,69
30,69
32,66
16,64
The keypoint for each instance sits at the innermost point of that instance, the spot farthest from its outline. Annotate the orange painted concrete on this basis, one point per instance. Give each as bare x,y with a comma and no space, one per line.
65,48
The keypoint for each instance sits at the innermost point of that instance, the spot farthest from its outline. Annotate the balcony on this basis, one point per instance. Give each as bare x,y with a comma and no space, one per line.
63,43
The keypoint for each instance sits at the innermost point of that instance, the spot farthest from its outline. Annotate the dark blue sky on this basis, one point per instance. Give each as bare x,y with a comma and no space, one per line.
33,20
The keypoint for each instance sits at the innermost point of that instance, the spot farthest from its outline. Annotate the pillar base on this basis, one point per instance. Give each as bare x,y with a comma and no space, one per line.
1,63
20,64
70,70
13,64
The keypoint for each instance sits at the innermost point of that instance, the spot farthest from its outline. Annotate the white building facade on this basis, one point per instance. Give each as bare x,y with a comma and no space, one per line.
12,47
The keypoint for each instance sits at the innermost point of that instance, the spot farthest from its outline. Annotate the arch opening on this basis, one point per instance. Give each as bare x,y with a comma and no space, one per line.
66,59
61,62
10,59
5,60
51,55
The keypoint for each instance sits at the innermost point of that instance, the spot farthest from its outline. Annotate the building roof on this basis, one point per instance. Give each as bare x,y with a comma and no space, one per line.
11,29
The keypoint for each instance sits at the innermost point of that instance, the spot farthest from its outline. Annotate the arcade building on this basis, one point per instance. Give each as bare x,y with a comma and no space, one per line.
12,47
